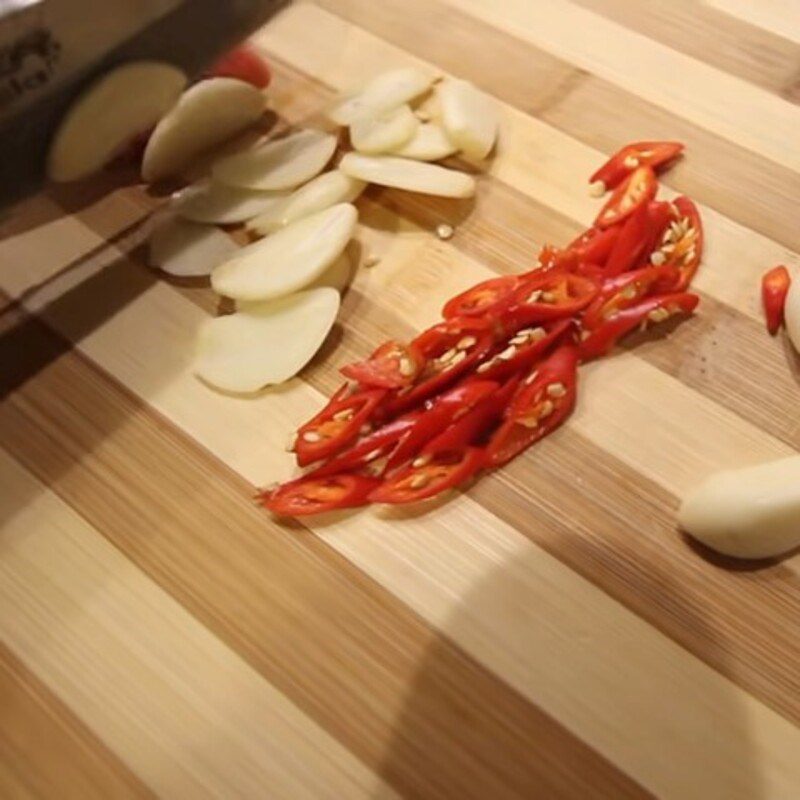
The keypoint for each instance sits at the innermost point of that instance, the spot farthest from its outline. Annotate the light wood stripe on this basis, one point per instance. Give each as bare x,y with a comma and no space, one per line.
740,49
434,561
46,751
289,604
87,622
757,119
778,16
583,106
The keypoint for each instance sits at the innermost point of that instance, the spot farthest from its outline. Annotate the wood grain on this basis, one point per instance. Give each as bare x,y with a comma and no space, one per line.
546,633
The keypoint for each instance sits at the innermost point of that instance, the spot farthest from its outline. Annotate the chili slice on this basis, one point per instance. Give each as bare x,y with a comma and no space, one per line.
595,245
544,400
484,298
624,291
313,495
636,154
391,366
337,425
632,244
599,341
774,288
683,241
439,472
546,297
637,190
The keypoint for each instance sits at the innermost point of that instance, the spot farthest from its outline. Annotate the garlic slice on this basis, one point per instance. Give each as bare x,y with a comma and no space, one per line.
385,131
469,116
289,259
115,109
385,91
323,192
265,343
429,143
275,165
211,202
403,173
206,114
186,249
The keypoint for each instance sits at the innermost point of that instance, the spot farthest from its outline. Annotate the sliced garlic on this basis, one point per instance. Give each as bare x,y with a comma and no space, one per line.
469,116
265,343
208,113
186,249
276,165
114,110
429,143
211,202
289,259
403,173
791,312
323,192
383,132
384,92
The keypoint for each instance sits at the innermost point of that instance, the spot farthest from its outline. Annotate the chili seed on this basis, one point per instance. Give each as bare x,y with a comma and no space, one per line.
547,409
418,481
548,297
507,354
534,296
466,343
532,377
457,358
406,367
597,188
556,390
487,365
658,314
528,422
420,461
448,355
365,429
628,293
520,338
444,231
373,454
667,248
343,415
658,258
631,162
311,436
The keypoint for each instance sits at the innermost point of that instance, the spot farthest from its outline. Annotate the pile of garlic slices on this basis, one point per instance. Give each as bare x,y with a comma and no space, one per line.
287,283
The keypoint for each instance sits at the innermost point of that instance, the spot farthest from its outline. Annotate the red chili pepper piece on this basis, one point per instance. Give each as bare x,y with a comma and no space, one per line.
632,243
443,410
595,245
522,350
624,291
391,366
473,425
686,238
484,298
337,425
245,64
369,449
659,217
599,341
438,473
543,401
637,154
774,288
313,495
450,349
548,296
638,190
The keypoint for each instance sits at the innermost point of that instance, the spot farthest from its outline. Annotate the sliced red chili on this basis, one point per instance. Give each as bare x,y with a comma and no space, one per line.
337,425
485,298
369,449
446,408
632,156
472,426
774,288
313,495
660,216
682,244
522,350
632,244
543,401
636,191
438,472
450,349
391,366
546,297
595,245
655,309
624,291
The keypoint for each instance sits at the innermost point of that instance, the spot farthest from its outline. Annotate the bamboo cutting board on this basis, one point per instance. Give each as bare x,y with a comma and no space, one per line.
548,633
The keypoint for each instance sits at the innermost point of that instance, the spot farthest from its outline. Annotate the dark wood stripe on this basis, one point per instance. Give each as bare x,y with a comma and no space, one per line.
418,710
711,36
748,188
46,751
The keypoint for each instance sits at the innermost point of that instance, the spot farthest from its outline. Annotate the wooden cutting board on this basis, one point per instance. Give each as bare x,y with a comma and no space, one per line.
547,634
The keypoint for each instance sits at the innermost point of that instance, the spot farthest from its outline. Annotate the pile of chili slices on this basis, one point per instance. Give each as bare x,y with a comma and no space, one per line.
499,373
